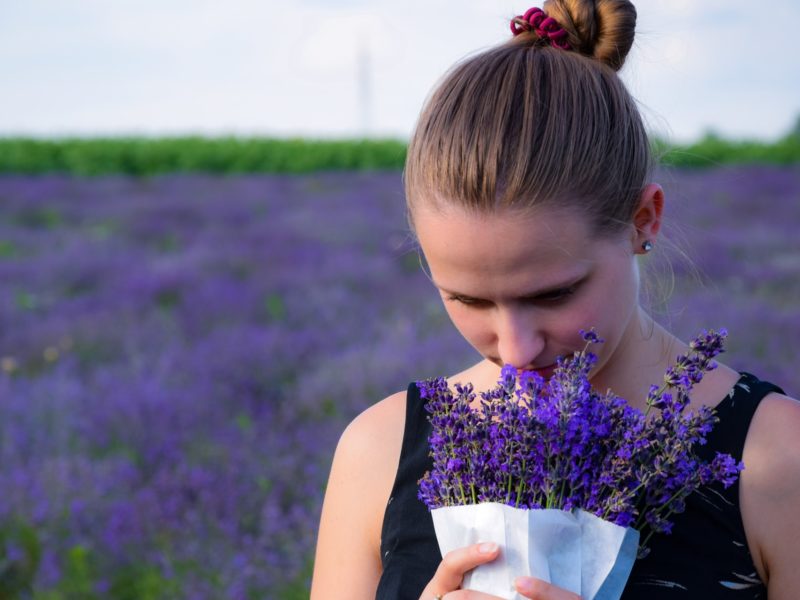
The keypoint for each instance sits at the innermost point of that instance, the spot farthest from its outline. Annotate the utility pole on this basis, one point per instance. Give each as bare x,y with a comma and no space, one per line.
364,84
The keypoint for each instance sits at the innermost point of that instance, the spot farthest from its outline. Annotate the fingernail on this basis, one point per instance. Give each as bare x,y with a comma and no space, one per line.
487,547
523,584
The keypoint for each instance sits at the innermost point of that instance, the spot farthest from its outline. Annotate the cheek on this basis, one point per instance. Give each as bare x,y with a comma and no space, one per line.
609,306
610,310
584,312
591,310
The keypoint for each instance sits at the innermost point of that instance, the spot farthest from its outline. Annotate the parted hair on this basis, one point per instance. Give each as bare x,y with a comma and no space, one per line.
526,124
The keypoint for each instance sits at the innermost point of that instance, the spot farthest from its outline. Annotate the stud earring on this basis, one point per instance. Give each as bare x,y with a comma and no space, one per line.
647,245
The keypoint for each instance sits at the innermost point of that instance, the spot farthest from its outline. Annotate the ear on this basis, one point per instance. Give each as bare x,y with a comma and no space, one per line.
647,217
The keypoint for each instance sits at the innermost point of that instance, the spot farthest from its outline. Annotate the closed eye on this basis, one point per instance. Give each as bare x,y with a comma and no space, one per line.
466,300
551,297
556,295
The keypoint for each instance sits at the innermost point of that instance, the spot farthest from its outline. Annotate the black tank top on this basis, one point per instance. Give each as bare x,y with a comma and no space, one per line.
705,557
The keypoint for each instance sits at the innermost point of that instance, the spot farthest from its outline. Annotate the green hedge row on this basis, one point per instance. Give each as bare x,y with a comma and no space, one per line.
713,150
150,156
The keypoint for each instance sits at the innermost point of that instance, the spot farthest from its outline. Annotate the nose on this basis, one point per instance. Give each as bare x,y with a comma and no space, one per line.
519,338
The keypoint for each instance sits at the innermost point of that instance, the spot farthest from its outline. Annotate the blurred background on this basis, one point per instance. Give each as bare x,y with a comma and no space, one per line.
206,271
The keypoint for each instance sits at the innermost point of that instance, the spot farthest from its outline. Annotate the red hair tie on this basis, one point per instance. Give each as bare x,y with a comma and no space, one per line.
547,28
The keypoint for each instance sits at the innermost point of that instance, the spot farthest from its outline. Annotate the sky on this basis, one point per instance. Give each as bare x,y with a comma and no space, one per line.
345,68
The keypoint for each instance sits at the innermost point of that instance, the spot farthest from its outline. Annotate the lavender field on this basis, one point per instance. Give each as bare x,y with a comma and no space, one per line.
179,354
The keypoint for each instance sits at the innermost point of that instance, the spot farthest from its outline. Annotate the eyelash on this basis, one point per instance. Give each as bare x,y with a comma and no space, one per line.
463,300
560,294
553,297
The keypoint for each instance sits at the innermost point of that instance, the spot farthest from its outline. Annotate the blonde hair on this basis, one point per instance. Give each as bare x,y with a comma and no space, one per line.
526,124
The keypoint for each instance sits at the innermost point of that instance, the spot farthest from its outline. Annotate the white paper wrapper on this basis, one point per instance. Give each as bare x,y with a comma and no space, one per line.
576,551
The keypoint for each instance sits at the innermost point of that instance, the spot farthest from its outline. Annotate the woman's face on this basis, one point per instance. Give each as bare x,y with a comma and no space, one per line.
520,285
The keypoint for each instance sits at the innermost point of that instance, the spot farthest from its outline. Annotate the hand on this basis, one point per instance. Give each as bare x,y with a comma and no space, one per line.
447,580
454,566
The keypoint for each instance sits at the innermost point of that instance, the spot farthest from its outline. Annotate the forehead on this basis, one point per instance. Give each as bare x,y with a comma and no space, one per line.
505,250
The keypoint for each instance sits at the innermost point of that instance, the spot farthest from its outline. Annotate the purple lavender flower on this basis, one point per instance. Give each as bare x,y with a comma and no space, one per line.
561,444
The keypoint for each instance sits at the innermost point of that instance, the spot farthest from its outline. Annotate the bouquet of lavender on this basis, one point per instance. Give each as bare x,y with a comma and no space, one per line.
563,477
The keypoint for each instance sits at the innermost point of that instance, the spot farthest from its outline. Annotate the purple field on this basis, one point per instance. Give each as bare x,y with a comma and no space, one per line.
178,356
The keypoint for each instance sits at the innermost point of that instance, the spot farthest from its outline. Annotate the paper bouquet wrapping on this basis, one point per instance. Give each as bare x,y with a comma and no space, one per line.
576,551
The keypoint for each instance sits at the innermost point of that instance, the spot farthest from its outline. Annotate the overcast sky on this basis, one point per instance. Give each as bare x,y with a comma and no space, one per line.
347,67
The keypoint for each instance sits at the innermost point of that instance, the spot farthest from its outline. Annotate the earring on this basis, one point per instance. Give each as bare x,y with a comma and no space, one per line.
647,245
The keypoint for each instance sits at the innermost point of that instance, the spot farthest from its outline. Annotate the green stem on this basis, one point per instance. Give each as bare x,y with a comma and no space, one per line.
640,522
463,495
520,485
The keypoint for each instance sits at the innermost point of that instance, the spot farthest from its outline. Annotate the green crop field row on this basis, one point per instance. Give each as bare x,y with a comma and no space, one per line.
230,155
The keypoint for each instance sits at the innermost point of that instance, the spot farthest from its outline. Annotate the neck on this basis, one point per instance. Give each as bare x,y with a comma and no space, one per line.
639,360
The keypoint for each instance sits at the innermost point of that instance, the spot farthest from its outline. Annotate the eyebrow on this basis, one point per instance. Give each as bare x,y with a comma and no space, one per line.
529,295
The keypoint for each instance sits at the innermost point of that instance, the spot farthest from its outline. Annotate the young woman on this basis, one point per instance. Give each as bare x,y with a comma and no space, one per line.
528,188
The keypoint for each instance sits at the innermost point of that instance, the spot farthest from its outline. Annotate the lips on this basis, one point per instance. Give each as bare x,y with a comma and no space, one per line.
546,372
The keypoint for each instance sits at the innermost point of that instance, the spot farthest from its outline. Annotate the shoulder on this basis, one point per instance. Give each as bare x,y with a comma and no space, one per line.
369,448
347,563
770,490
374,438
367,457
773,443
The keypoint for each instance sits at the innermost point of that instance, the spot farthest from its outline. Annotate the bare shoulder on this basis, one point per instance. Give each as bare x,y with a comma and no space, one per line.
370,445
770,492
368,454
773,443
383,418
347,562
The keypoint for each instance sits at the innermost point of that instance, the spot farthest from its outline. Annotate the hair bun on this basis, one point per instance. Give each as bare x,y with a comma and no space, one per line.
602,29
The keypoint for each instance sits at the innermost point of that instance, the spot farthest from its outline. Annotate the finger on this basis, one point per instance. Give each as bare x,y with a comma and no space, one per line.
455,564
462,595
536,589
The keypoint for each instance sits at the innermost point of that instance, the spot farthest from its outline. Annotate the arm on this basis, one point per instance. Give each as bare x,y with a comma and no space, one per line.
347,564
770,494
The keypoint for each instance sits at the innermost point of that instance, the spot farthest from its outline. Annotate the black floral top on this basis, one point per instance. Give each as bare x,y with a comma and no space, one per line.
705,557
